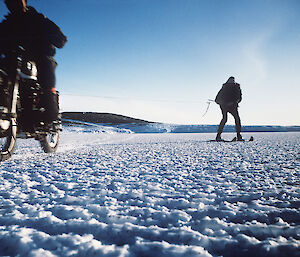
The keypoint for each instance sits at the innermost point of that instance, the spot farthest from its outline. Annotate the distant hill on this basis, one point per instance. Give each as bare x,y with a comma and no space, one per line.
105,118
143,126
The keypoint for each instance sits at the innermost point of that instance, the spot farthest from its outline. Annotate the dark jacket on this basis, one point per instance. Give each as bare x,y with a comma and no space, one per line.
229,95
36,33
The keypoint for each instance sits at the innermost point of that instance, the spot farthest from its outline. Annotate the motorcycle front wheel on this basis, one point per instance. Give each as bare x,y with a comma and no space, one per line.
8,140
49,143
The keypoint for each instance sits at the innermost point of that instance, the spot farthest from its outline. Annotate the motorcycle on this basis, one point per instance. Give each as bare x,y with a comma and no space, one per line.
20,106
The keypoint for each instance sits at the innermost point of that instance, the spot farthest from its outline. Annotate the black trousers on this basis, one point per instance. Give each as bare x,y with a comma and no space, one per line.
46,66
46,72
234,111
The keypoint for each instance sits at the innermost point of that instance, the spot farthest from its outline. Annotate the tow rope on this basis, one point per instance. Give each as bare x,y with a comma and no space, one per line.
209,101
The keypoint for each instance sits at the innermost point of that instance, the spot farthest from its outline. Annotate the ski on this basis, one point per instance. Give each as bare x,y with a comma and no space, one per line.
233,140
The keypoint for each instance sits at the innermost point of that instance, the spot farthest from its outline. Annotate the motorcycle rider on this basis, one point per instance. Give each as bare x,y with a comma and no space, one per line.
38,36
228,98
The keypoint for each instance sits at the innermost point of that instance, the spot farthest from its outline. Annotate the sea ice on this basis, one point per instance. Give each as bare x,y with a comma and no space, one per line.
130,195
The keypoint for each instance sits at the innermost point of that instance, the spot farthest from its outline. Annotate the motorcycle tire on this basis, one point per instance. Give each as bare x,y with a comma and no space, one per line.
50,142
8,141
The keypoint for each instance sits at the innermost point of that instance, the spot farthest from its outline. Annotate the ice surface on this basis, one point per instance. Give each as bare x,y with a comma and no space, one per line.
107,193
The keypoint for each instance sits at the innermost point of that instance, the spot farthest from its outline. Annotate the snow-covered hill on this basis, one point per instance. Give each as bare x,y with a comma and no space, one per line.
108,192
173,128
143,126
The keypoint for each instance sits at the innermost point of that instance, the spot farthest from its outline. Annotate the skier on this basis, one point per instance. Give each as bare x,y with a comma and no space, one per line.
38,36
228,98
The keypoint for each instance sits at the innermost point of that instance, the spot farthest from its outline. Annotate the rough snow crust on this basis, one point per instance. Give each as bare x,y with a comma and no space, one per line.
113,194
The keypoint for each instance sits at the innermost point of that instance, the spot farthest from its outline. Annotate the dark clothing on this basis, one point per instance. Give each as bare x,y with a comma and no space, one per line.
46,76
228,98
39,36
230,94
235,114
46,71
36,33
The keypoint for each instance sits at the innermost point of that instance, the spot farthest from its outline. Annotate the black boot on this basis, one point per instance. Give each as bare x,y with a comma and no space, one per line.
49,101
239,137
218,137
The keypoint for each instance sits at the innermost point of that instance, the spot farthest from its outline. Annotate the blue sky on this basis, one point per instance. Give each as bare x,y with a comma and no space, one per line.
160,60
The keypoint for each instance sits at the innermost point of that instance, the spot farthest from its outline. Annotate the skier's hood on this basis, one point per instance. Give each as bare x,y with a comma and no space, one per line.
230,81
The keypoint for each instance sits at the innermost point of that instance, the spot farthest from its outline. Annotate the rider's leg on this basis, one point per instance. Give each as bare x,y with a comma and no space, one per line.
46,76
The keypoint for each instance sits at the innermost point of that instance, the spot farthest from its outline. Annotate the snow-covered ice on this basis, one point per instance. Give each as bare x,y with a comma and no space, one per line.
138,195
